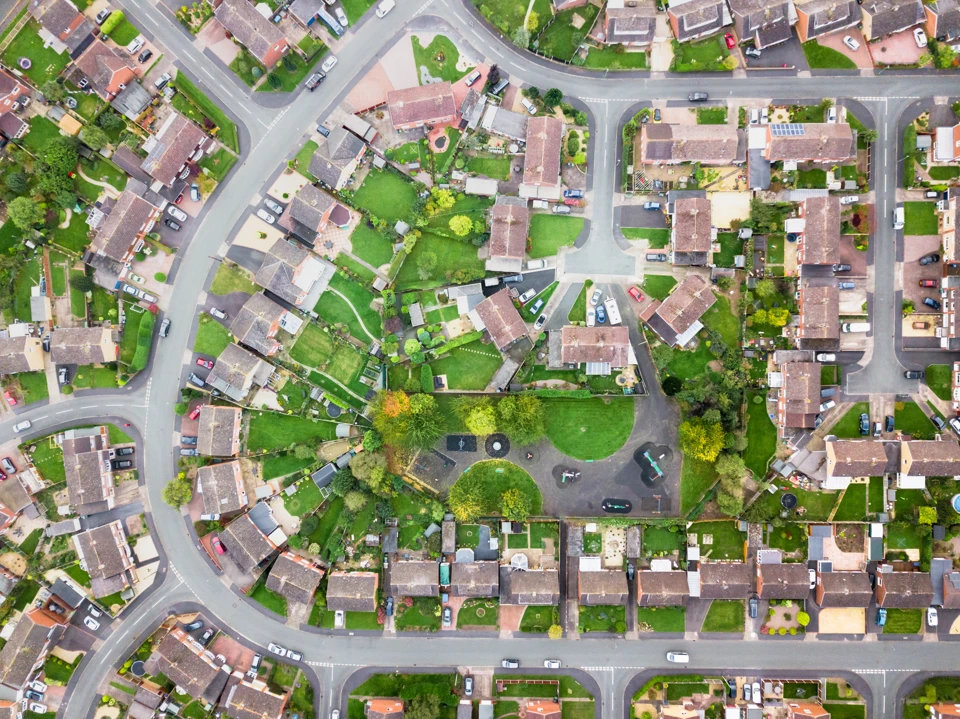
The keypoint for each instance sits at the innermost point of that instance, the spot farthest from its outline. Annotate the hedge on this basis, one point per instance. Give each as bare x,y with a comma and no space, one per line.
454,343
426,378
570,393
110,24
144,340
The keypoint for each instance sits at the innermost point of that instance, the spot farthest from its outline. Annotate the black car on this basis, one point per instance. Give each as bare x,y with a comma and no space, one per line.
930,259
207,636
125,451
931,303
841,268
914,374
171,224
145,55
864,424
698,97
888,424
46,343
631,571
656,115
193,626
189,440
36,696
102,16
616,506
121,464
314,80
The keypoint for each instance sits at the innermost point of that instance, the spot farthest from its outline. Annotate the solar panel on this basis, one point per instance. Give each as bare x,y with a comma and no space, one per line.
791,129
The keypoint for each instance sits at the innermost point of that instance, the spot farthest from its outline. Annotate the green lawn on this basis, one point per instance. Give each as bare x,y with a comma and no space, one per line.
602,619
548,233
104,170
848,711
47,64
370,246
721,319
29,545
775,249
366,275
201,106
939,378
711,115
232,279
545,294
478,613
660,539
406,153
313,347
537,620
212,337
452,255
788,538
27,277
421,617
89,376
911,420
508,15
41,131
305,500
491,478
724,616
276,603
812,179
270,432
903,536
386,195
33,386
730,247
920,218
853,506
124,33
903,621
74,235
876,500
727,539
658,286
656,236
48,459
589,428
470,366
496,167
128,341
696,477
663,619
302,160
944,173
356,8
820,57
290,78
561,39
849,425
818,505
761,436
578,313
429,57
243,65
280,465
361,298
614,58
690,363
218,164
708,55
444,314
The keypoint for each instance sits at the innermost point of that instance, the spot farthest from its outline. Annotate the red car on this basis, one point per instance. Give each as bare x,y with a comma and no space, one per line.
10,399
929,283
635,294
195,413
205,362
180,196
217,547
731,43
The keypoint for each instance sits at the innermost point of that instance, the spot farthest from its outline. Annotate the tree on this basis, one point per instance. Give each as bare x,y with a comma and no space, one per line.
355,501
411,346
81,283
765,288
927,515
729,504
482,420
533,21
53,91
60,155
520,417
409,242
555,632
424,706
110,121
532,92
552,97
760,317
466,500
730,466
314,548
302,451
178,491
296,541
803,619
426,264
111,23
662,356
908,307
24,212
343,481
443,199
701,440
427,423
94,137
180,408
778,316
514,505
366,463
868,135
521,37
16,182
944,56
461,225
671,385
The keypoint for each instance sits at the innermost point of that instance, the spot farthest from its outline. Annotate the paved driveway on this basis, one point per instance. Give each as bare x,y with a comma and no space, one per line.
636,216
897,49
789,53
834,620
835,40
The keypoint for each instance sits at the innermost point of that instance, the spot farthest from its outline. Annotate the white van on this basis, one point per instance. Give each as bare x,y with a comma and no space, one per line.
898,218
536,264
855,327
528,106
385,7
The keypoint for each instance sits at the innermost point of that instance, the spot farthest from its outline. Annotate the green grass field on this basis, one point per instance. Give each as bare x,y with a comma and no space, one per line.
386,195
289,78
853,506
429,57
548,233
663,619
197,105
611,58
270,432
589,428
912,420
920,218
707,55
658,286
561,39
724,616
939,379
370,246
903,621
727,541
496,167
212,337
469,367
820,57
492,477
761,436
46,63
452,255
656,236
302,160
849,425
232,279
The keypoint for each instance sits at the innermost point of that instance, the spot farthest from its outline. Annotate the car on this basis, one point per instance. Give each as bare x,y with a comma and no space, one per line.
678,657
38,708
938,422
266,216
591,317
163,80
864,424
314,81
631,571
218,546
754,117
329,63
656,257
846,286
21,426
294,655
561,210
38,686
595,298
765,116
651,205
851,43
826,357
930,259
754,605
528,106
881,617
472,78
91,623
177,213
656,115
832,115
175,226
389,606
932,618
276,649
207,636
195,192
914,374
930,283
536,306
752,52
131,290
541,320
601,315
136,44
931,303
551,664
46,343
341,16
731,43
510,664
31,694
193,626
195,413
205,362
931,194
121,464
195,380
188,452
103,15
616,506
165,327
841,268
335,714
527,296
11,400
635,294
8,466
920,37
849,199
145,55
467,684
575,194
447,616
955,425
813,578
877,429
698,97
188,440
757,694
273,206
218,313
828,405
63,375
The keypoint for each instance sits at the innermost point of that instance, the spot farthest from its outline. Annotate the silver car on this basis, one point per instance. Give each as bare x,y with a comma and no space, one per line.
177,213
266,217
273,206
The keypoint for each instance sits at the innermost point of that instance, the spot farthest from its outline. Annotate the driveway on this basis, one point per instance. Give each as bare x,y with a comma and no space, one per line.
636,216
897,49
789,53
835,620
835,40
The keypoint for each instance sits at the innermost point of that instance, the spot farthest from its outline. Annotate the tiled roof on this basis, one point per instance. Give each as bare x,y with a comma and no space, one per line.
541,162
352,591
107,68
415,578
951,590
662,589
222,488
62,19
855,458
294,577
825,16
475,579
819,312
335,155
595,344
82,345
237,370
254,701
725,580
687,303
634,24
252,325
606,587
23,648
309,207
501,319
711,144
424,104
800,392
261,37
821,232
383,709
890,16
105,555
537,587
822,141
20,354
508,230
844,589
947,14
245,544
697,17
904,590
128,221
184,663
784,581
930,458
219,431
170,148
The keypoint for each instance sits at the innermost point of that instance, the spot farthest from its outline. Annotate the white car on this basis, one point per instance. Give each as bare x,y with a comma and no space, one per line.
136,44
595,299
826,357
813,578
849,199
136,278
551,663
273,206
591,317
528,106
851,43
219,314
276,649
91,623
527,296
21,426
921,39
94,611
678,657
37,708
341,16
932,618
832,115
38,686
266,216
177,213
329,63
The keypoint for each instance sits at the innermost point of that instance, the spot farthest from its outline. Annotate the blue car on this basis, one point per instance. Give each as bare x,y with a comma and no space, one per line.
601,314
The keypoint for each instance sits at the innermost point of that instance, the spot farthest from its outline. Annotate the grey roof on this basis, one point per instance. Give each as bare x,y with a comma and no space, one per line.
532,588
335,157
88,475
67,594
127,222
416,578
247,700
256,321
784,581
237,370
181,663
132,100
696,18
261,37
844,589
474,579
16,354
947,13
221,487
352,591
63,20
825,16
661,589
245,544
219,430
606,588
281,268
309,207
171,147
305,10
294,577
634,23
890,16
34,630
725,580
504,122
82,345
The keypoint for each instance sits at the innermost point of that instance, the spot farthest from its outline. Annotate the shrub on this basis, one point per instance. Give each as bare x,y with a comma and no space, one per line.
160,277
144,340
426,378
110,24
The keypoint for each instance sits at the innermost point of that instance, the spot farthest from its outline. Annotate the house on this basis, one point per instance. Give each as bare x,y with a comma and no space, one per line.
500,318
822,17
221,487
294,577
86,465
383,709
818,242
62,26
662,589
903,590
20,354
601,587
132,100
293,274
666,144
426,105
131,218
336,158
601,348
677,319
692,235
805,710
541,162
246,545
629,22
951,590
766,23
822,142
539,587
475,579
819,313
219,431
14,95
798,399
920,459
185,662
170,149
237,371
82,345
145,703
253,700
725,580
783,581
885,17
694,19
105,555
36,633
414,578
262,38
352,591
108,69
543,709
498,120
310,212
843,589
509,223
258,321
943,19
852,459
945,711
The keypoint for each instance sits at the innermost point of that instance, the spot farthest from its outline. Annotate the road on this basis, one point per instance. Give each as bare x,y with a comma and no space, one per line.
269,134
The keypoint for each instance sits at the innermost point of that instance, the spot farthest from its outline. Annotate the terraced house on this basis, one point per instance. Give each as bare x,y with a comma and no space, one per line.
238,371
253,700
426,105
352,591
694,19
692,235
848,460
336,158
798,399
310,212
35,635
821,142
668,144
942,19
293,274
820,17
20,354
819,316
509,223
218,431
86,463
172,149
185,662
766,23
818,242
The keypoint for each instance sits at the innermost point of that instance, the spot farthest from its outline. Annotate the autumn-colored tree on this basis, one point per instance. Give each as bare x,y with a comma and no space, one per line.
482,420
778,316
461,225
555,632
700,439
514,505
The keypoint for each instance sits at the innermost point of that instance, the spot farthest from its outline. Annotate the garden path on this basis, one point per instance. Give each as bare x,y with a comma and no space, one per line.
354,310
66,223
110,189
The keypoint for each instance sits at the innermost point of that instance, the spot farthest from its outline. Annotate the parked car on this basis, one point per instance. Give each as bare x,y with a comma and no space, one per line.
193,626
273,206
31,694
826,357
812,573
136,44
38,686
8,466
914,374
829,404
165,327
888,423
754,605
510,664
294,655
124,451
11,400
881,617
595,298
385,7
103,15
601,315
447,616
218,313
656,257
38,708
314,81
341,16
851,43
329,63
175,226
389,606
955,425
194,380
177,213
188,452
651,205
195,413
467,685
876,429
920,37
163,80
276,649
678,657
537,306
930,259
472,78
551,664
541,320
217,546
591,317
731,43
635,294
205,362
929,283
656,115
846,285
21,426
266,216
207,636
864,424
91,623
188,440
938,422
144,56
575,194
528,106
121,464
841,268
195,192
63,375
832,115
698,97
932,303
849,199
932,618
527,296
752,52
561,210
754,117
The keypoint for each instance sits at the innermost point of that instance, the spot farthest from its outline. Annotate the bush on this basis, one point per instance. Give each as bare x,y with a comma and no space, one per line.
160,277
426,378
144,340
110,24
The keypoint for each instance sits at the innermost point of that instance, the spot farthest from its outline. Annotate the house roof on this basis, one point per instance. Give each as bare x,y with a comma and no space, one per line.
105,556
509,224
543,709
800,393
309,207
246,700
183,661
13,495
132,100
352,591
294,577
595,344
692,225
819,312
807,710
712,144
237,370
222,488
281,271
12,90
687,303
63,20
20,354
904,590
254,322
634,23
890,16
82,345
245,543
415,578
951,590
945,711
424,104
261,37
812,140
855,458
474,579
107,68
25,645
533,587
219,431
697,17
947,14
169,149
606,587
659,589
844,589
501,319
725,580
784,581
759,13
541,163
821,231
383,709
930,458
334,154
130,218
